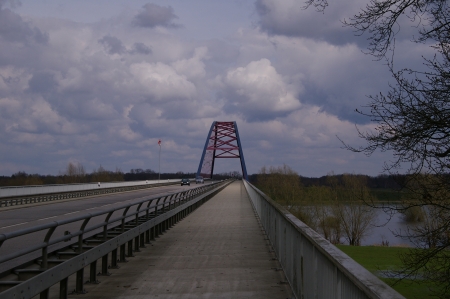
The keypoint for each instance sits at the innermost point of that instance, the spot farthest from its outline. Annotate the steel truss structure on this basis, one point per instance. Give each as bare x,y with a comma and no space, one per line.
222,142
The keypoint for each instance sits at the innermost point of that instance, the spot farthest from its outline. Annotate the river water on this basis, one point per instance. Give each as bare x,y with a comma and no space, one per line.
386,228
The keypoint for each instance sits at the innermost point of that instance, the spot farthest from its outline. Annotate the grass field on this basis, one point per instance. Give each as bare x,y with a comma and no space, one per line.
377,258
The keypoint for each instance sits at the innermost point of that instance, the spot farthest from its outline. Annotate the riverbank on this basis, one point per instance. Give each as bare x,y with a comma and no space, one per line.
377,259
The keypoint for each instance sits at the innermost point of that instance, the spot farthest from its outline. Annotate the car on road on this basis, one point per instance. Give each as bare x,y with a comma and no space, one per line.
185,182
199,180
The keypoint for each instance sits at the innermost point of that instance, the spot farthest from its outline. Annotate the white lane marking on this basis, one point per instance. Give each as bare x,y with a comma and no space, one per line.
71,213
13,225
47,218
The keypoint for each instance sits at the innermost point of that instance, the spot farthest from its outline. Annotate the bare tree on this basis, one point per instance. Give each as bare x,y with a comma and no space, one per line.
354,217
321,200
103,175
283,185
413,122
74,173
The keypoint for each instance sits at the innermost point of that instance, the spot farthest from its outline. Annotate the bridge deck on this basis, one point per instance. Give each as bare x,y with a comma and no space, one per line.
218,251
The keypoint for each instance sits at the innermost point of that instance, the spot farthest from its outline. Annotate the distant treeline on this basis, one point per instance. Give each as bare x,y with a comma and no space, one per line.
75,173
377,182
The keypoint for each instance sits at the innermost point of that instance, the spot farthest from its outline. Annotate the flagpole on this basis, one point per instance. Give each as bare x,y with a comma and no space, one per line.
159,171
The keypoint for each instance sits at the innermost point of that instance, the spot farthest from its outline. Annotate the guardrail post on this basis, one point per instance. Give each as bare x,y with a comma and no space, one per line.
114,259
136,243
93,273
130,249
137,214
105,265
152,233
64,288
79,285
122,258
157,205
147,236
44,294
105,227
164,204
147,218
142,240
44,264
147,214
161,228
123,218
156,231
80,237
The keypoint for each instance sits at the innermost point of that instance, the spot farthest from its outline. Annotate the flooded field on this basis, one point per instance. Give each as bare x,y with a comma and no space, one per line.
386,229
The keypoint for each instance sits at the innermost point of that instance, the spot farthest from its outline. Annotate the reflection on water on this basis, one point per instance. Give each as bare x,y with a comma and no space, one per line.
387,226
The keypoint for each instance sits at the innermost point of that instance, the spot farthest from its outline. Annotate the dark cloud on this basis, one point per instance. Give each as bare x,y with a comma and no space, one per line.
340,104
112,45
42,82
14,29
141,48
12,3
289,18
152,15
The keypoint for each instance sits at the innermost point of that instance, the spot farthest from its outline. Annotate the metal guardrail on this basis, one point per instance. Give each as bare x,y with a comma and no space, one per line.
314,267
12,196
151,217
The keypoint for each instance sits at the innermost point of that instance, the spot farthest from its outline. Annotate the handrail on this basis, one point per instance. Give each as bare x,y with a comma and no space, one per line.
19,195
314,267
180,203
12,191
52,225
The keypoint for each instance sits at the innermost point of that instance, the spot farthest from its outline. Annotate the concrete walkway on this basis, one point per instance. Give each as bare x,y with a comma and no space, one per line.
218,251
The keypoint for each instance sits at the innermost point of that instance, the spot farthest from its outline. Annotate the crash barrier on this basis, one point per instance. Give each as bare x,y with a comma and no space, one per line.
314,267
110,243
12,196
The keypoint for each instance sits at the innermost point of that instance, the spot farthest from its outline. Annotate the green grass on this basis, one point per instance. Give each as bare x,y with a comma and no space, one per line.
377,258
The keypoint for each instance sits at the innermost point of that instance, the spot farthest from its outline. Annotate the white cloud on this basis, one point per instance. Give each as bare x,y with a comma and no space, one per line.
257,90
161,81
192,68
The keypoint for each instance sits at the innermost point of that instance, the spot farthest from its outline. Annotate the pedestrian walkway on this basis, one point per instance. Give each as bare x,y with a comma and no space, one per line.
218,251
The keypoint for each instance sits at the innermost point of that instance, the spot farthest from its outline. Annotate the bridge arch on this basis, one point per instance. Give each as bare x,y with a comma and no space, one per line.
222,141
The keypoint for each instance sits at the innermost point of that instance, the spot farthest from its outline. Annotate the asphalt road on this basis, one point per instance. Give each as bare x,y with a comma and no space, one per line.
26,216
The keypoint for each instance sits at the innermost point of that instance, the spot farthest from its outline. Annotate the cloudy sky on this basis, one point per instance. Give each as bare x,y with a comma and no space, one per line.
99,82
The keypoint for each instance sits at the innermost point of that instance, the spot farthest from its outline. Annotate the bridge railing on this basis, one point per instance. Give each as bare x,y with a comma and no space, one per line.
148,217
314,267
19,195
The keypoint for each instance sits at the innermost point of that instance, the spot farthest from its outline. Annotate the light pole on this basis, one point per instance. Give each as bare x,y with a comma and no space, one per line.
159,171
